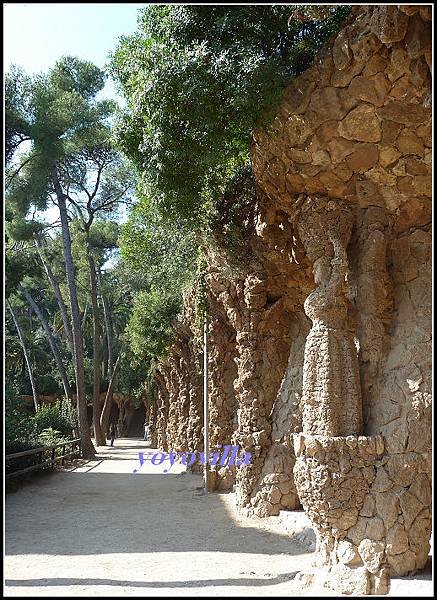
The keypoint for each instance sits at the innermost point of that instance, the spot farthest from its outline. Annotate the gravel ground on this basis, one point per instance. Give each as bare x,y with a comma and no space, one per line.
98,529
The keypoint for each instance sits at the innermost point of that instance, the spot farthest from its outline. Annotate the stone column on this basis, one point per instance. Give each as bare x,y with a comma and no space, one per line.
158,434
195,413
335,467
222,402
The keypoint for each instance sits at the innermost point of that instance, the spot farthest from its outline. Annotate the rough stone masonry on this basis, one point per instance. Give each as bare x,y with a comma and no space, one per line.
350,147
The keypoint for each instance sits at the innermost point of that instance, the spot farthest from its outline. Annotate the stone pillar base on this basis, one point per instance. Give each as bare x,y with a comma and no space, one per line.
370,509
224,478
346,580
333,477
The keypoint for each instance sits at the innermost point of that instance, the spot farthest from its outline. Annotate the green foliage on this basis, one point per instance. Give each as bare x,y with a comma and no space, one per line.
20,432
231,222
24,430
201,296
70,142
165,252
198,80
22,229
150,330
59,416
164,249
16,109
49,383
21,436
19,265
84,78
101,241
50,437
65,126
132,377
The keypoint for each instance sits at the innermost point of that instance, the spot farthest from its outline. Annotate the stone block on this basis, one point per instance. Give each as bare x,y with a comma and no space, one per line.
387,507
297,130
380,582
347,553
368,194
404,113
389,24
343,579
382,482
421,489
410,507
401,564
361,124
403,467
372,554
274,495
368,90
341,53
369,506
363,158
409,143
374,528
388,156
397,540
339,148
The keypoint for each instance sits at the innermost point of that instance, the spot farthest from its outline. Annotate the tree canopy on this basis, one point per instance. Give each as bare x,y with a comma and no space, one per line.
198,80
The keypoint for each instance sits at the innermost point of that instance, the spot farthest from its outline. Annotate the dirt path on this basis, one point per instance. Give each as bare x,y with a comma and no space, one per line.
101,530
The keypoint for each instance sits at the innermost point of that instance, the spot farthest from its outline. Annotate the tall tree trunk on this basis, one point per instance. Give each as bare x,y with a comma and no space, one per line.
26,355
106,412
84,316
57,292
97,375
84,430
108,327
55,350
23,367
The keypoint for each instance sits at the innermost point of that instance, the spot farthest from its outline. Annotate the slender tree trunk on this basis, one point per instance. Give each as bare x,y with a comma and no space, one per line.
26,355
88,449
108,327
106,412
55,350
97,375
57,292
84,316
23,367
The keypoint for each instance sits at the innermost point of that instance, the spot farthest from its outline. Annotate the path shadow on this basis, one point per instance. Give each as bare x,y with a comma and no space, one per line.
65,581
91,513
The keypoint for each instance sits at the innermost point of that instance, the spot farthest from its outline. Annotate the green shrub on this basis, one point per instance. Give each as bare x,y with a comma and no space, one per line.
149,329
59,416
51,437
25,432
20,432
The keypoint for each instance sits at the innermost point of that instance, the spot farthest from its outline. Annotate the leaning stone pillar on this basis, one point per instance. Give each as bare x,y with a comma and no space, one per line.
336,466
158,434
222,403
